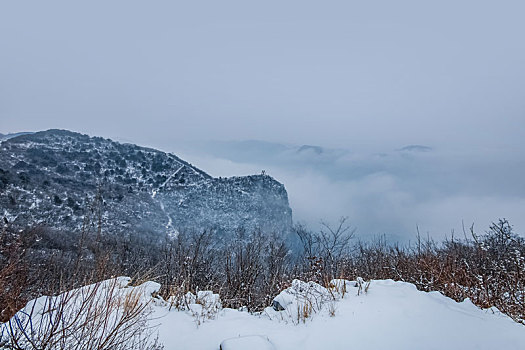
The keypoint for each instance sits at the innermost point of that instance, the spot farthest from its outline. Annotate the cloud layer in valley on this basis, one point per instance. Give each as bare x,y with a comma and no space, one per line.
383,193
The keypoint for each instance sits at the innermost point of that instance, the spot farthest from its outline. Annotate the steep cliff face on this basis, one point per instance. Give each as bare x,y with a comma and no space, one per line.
66,180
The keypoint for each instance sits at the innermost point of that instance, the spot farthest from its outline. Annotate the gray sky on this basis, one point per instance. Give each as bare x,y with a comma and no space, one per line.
368,75
333,73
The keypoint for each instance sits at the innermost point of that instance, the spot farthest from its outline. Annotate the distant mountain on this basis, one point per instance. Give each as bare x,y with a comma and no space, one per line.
10,136
255,151
64,180
416,148
310,149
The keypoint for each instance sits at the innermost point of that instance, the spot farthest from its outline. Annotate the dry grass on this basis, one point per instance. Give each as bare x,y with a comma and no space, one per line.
99,316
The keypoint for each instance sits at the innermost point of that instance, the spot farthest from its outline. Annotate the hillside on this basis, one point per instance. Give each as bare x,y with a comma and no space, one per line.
70,181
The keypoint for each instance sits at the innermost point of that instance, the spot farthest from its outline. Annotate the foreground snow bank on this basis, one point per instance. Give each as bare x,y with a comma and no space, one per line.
104,315
383,315
390,315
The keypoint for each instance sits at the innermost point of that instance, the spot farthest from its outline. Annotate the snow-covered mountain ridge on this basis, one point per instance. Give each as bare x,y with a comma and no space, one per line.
64,180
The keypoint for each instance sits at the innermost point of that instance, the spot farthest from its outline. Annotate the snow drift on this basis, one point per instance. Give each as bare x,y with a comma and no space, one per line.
384,315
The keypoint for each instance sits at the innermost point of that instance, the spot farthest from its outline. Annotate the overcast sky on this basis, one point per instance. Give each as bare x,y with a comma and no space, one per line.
367,75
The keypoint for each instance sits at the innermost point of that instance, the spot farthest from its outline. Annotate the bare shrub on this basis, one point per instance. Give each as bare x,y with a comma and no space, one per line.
104,315
325,251
249,269
15,283
489,268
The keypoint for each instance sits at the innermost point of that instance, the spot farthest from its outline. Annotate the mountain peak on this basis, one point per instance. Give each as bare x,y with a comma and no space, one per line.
416,148
57,177
311,149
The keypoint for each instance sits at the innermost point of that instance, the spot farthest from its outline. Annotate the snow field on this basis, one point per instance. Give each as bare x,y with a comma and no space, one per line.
389,315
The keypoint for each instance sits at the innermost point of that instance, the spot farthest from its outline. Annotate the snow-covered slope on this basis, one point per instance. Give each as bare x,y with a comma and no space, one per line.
389,315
